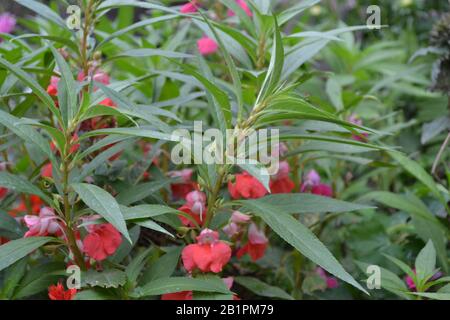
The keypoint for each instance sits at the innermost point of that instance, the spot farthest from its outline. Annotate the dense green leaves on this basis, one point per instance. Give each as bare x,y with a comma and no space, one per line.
300,237
104,204
17,249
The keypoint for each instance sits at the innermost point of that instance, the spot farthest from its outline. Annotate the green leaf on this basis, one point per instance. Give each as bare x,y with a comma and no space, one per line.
146,211
417,171
426,262
26,133
32,83
104,204
176,284
389,281
271,82
148,52
9,227
12,278
426,224
21,185
149,224
17,249
334,92
111,278
67,89
164,267
134,132
300,237
136,265
262,289
141,191
309,203
44,11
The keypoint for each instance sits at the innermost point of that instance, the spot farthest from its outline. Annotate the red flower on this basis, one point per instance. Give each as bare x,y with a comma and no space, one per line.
322,190
180,190
281,183
35,204
195,206
246,186
208,254
183,295
3,192
102,241
256,245
58,293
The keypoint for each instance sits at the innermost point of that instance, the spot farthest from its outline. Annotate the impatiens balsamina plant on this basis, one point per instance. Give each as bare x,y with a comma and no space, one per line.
94,100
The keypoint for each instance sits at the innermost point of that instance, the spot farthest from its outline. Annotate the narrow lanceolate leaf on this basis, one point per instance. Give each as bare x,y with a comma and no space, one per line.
29,81
19,184
300,237
17,249
426,261
417,171
43,11
133,132
271,82
262,289
310,203
67,89
177,284
229,61
104,204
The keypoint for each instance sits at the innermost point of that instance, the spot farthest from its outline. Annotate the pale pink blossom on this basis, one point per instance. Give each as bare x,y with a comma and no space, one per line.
185,175
238,217
7,22
44,224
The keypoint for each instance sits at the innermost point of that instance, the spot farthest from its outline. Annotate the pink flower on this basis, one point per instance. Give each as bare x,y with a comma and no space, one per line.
256,245
44,224
238,217
246,186
312,184
244,6
207,46
209,254
58,293
231,229
47,171
102,241
52,89
7,22
356,120
330,281
195,206
234,226
190,7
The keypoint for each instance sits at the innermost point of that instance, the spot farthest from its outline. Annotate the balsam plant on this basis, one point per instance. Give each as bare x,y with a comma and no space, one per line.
90,116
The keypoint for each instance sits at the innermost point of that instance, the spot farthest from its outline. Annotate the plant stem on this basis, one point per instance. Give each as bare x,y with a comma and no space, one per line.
71,239
212,199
